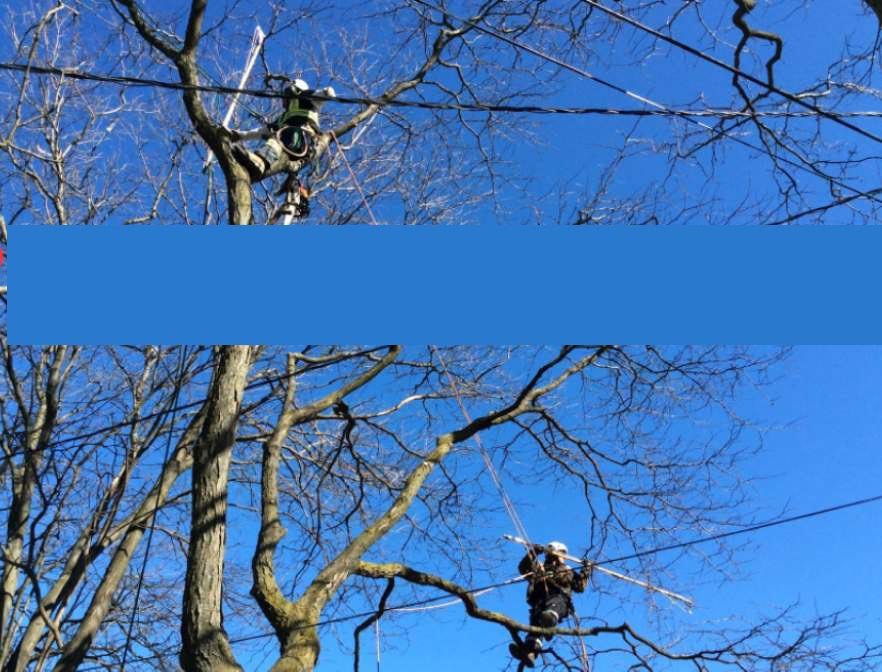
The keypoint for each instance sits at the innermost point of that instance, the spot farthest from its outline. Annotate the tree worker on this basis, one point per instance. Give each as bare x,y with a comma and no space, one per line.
293,133
549,590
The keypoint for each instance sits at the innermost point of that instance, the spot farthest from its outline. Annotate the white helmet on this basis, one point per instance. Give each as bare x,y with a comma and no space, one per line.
301,85
556,547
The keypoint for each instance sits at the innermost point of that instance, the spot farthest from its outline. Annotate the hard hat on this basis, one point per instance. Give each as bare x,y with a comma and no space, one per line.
556,547
301,85
329,91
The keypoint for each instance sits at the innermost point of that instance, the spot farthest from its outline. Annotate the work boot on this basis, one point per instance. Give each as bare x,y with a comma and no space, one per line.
528,658
255,164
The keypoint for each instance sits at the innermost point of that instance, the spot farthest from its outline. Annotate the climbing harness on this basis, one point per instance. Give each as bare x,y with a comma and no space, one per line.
299,105
296,141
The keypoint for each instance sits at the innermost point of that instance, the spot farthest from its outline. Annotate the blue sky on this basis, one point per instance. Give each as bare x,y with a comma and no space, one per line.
822,447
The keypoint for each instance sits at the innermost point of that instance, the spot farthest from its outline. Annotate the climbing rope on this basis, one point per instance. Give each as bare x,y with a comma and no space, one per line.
494,476
377,637
354,178
583,653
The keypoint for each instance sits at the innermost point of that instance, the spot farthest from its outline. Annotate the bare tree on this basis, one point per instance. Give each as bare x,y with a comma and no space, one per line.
77,150
358,467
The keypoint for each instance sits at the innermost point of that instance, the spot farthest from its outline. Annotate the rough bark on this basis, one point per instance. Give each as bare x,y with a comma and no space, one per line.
205,645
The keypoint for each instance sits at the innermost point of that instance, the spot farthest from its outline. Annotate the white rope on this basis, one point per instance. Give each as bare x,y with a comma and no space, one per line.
354,178
584,650
377,638
506,501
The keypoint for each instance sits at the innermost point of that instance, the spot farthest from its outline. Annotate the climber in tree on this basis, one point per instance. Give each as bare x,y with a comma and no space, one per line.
551,585
293,133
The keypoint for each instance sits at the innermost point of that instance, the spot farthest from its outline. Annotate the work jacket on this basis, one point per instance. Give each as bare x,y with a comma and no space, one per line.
547,581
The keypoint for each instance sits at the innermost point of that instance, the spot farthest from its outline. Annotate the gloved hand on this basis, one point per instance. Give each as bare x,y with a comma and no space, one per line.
537,548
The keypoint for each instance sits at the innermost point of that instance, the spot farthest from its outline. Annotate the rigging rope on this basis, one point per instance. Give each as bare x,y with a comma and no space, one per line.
506,501
354,179
377,637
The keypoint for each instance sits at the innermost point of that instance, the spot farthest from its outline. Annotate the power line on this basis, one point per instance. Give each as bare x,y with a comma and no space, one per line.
125,80
745,530
660,110
509,582
793,98
811,168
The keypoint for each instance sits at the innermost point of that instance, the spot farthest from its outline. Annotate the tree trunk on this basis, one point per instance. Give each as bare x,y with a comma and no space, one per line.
205,644
238,195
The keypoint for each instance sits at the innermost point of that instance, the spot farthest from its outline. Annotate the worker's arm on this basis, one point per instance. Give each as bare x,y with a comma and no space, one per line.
326,93
529,562
581,578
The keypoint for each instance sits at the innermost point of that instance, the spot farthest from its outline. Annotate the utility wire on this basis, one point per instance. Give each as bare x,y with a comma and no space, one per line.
745,530
658,109
805,166
125,80
509,582
793,98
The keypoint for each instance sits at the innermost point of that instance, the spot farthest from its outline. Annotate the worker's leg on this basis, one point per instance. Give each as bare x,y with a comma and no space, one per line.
555,610
259,162
533,642
270,152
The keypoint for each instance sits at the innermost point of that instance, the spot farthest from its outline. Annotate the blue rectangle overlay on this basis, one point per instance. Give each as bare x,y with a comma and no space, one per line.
278,285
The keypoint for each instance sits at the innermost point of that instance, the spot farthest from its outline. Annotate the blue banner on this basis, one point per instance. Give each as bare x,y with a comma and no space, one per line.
486,284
